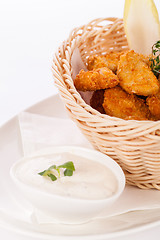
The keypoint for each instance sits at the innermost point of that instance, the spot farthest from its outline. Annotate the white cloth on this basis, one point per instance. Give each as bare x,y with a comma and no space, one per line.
40,132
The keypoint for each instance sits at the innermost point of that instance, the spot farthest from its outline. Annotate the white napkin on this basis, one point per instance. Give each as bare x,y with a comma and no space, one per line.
39,132
77,64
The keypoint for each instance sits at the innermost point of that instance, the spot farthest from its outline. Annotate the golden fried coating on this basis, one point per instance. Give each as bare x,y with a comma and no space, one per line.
120,104
109,60
97,79
97,101
153,103
145,59
135,75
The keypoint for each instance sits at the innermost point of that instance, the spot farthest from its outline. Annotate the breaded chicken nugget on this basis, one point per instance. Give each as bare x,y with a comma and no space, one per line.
97,100
97,79
120,104
135,75
109,60
154,105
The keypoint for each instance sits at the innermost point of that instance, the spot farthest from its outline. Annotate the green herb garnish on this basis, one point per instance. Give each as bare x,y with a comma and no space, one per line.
155,60
68,166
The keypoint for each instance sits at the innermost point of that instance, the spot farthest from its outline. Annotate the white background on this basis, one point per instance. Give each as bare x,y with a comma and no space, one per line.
30,32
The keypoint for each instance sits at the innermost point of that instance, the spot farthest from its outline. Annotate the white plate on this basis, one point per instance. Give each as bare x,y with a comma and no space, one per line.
16,217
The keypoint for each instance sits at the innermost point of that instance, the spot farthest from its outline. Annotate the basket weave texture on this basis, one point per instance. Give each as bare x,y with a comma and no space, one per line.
135,145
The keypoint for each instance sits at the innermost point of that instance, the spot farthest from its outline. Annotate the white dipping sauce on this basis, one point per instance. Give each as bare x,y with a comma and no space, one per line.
90,180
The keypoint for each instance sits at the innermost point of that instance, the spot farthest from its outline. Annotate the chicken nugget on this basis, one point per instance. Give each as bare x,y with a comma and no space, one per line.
119,103
153,103
97,79
109,60
97,100
135,75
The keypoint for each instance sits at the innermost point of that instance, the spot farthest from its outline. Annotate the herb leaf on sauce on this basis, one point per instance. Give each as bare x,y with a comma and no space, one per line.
52,177
68,166
68,172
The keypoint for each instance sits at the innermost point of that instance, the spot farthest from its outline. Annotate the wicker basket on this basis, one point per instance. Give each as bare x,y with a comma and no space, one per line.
135,145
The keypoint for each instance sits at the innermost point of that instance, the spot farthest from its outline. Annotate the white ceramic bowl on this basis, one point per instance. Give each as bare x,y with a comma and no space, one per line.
64,209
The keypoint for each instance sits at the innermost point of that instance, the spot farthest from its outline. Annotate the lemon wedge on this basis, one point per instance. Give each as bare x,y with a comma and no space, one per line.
142,26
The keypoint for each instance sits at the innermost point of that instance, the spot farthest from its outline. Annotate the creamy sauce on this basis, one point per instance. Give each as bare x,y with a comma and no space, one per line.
90,180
